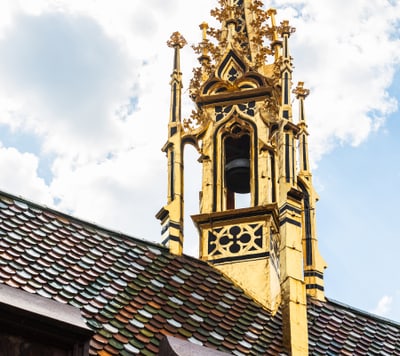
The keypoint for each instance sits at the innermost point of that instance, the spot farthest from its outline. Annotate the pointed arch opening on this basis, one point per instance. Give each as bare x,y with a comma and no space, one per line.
237,167
192,187
235,164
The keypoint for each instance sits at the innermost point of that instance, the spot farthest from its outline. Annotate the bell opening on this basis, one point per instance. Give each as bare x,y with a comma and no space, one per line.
237,175
237,164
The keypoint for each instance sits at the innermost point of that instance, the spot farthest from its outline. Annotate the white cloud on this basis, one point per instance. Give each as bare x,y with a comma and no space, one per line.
348,59
19,175
71,67
72,70
384,306
123,191
68,74
67,78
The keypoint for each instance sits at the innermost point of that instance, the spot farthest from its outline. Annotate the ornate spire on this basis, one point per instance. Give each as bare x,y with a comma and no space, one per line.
301,94
177,42
243,129
243,27
171,215
314,264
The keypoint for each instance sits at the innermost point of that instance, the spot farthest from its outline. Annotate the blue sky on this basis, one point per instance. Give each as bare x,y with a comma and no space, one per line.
357,220
84,103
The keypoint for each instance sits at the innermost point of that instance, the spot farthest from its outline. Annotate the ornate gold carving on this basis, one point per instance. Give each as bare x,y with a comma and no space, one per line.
225,12
195,82
271,107
196,120
200,74
240,239
243,37
300,91
274,249
261,30
176,40
272,33
285,28
273,102
236,128
249,38
204,26
222,111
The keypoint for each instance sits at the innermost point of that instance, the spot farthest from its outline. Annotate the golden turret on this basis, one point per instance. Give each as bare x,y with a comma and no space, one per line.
257,203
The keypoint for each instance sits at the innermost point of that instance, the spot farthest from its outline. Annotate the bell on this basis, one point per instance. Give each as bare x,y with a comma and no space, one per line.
237,175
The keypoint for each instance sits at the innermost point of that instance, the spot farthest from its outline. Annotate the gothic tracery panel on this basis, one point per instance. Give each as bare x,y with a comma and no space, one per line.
236,240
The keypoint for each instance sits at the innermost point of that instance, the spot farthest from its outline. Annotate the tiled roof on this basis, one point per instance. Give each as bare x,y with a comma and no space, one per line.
338,329
132,292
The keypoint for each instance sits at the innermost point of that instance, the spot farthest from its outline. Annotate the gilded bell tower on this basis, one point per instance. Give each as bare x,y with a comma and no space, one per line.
257,202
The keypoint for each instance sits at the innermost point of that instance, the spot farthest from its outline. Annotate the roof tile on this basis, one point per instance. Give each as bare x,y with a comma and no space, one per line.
132,292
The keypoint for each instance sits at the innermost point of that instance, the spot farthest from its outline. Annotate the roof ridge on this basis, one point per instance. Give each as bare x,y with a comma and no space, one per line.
76,219
364,312
72,218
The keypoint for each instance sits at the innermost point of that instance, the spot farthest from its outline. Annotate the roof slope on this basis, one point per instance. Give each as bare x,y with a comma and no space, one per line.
132,292
338,329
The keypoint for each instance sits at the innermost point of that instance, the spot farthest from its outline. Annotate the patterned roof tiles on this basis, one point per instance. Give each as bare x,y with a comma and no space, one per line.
132,292
337,329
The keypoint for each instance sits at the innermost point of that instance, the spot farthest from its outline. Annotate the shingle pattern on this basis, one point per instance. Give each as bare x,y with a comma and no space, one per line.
132,292
337,329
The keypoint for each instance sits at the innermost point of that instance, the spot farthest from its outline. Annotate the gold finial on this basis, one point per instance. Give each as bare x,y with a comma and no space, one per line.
204,27
176,40
285,28
300,91
271,13
273,34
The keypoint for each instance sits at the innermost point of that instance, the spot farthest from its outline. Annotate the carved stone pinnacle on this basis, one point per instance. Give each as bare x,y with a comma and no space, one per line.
176,40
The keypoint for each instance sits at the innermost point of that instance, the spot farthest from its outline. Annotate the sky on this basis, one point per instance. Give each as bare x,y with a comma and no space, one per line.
84,104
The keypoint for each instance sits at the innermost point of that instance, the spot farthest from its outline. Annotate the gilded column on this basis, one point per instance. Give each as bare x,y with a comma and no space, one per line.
172,214
314,264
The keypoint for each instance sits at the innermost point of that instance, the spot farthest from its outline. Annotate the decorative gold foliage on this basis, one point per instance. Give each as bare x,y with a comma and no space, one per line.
195,82
176,40
214,33
196,120
285,28
237,128
300,91
272,104
225,11
253,34
261,31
